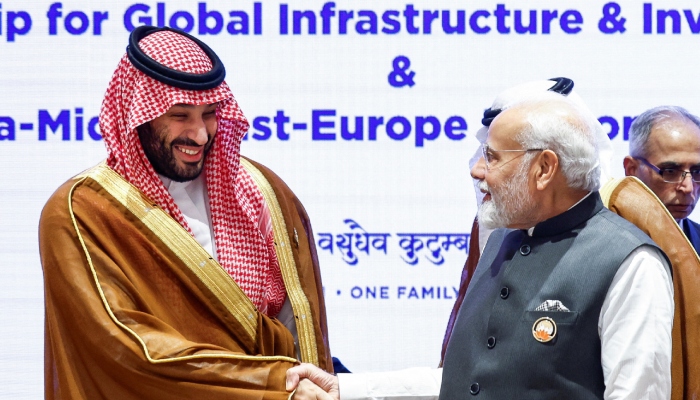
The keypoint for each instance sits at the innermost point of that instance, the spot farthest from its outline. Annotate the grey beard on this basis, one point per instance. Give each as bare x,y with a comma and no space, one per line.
490,217
509,204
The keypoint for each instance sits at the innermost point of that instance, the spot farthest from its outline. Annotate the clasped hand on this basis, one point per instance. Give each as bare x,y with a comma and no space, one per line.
312,383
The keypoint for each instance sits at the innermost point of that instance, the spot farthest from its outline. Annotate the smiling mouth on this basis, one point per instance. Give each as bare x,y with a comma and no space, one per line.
188,151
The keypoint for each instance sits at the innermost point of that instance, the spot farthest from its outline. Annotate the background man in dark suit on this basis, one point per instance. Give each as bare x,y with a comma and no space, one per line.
665,155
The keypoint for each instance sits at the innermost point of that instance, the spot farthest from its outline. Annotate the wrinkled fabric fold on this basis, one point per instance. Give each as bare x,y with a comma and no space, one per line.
128,318
632,200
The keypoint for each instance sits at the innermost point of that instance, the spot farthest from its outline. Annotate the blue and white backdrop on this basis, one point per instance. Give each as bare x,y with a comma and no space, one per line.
367,109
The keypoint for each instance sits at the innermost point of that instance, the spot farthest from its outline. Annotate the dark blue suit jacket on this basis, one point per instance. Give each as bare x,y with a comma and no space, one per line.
692,232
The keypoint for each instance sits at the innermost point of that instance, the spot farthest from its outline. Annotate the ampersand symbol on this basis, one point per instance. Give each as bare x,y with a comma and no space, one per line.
398,77
609,23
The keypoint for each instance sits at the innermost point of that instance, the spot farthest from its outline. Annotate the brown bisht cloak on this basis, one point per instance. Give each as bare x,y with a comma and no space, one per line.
635,202
137,309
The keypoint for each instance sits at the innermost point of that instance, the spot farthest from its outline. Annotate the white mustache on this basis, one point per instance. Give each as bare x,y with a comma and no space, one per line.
483,186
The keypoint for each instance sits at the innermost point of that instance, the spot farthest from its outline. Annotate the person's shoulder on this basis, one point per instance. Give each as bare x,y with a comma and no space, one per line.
259,166
616,219
59,200
623,228
693,224
272,178
63,191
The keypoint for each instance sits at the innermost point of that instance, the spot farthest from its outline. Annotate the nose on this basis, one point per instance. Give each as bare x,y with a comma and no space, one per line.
686,185
198,132
478,171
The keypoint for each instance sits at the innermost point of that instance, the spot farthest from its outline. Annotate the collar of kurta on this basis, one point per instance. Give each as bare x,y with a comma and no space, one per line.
570,218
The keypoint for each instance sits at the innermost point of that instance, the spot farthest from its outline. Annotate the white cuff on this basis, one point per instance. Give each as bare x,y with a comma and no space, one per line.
407,384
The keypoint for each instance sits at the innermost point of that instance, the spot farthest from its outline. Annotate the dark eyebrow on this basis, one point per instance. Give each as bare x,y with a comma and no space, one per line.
668,165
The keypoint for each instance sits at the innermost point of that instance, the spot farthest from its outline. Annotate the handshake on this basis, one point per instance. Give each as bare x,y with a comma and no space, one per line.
307,382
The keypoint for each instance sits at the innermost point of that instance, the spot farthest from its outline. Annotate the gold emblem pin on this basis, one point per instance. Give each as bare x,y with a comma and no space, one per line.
544,329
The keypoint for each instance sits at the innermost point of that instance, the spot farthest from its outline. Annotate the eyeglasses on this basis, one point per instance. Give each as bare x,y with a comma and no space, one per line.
489,154
672,175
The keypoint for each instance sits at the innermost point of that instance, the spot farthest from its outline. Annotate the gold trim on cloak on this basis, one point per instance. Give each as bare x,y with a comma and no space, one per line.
283,248
185,247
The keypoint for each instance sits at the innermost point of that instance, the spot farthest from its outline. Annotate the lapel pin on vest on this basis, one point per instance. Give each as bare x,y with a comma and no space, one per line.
544,329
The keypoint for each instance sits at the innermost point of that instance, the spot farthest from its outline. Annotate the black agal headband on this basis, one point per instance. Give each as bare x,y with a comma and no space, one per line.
563,86
179,79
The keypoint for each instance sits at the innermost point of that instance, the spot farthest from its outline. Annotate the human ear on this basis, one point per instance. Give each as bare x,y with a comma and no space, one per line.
546,169
631,166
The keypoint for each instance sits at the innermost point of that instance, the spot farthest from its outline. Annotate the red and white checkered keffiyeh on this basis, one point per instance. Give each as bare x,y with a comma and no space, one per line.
236,205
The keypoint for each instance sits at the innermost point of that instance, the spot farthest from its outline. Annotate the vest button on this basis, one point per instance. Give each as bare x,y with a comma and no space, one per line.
525,249
491,342
474,388
505,292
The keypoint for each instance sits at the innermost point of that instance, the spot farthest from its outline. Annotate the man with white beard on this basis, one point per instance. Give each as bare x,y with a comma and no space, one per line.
497,214
569,300
563,283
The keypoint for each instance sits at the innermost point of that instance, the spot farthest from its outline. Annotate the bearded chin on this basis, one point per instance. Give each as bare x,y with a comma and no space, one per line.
490,217
509,204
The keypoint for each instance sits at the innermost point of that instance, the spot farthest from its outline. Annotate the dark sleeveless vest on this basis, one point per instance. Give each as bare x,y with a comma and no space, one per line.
572,258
